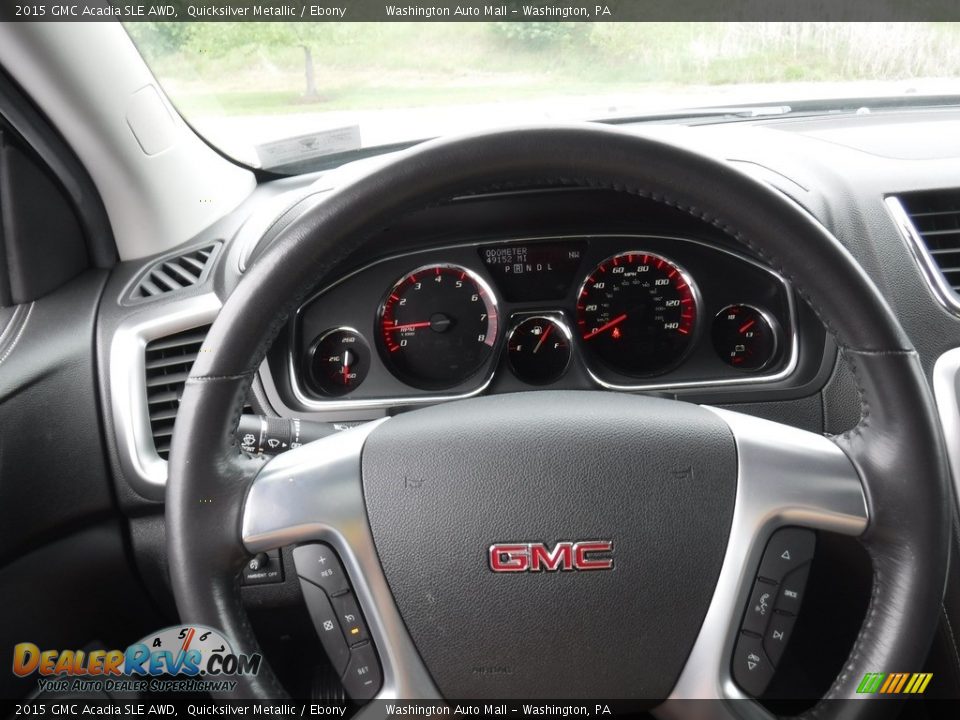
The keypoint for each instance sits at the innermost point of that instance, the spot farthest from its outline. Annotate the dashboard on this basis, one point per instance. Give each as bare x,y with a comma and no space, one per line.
544,288
618,311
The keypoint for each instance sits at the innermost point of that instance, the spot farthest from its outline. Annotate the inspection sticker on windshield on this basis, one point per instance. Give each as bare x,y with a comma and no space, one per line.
307,147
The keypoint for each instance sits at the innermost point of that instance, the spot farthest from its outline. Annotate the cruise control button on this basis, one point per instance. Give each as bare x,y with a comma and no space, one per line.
760,607
790,594
328,628
778,633
751,668
348,612
362,677
320,565
787,550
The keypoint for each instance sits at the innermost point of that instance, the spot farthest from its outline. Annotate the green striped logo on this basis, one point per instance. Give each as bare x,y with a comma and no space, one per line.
894,683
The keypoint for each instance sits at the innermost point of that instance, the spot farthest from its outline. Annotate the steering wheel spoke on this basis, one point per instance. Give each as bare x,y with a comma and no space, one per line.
314,493
786,477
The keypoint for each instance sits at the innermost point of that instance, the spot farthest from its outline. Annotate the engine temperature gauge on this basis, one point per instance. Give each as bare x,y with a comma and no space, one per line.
338,361
539,350
745,337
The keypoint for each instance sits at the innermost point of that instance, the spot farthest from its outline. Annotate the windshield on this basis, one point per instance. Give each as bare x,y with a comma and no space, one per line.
272,94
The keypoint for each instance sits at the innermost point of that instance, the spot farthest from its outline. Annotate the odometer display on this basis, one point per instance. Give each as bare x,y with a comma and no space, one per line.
636,313
438,326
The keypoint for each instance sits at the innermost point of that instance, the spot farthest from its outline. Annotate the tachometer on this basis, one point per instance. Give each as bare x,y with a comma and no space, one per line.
438,326
636,313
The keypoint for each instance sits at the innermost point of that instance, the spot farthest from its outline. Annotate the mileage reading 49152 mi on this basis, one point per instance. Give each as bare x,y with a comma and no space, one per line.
535,271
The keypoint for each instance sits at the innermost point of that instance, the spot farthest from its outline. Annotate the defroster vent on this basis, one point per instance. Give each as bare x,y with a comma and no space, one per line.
176,273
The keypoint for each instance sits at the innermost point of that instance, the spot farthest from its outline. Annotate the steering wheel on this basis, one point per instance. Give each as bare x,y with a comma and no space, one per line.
687,495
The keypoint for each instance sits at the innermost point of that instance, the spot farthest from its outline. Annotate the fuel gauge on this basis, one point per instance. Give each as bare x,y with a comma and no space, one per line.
539,349
745,337
339,361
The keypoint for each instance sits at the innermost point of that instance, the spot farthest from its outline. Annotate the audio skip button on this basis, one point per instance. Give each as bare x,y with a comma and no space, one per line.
778,633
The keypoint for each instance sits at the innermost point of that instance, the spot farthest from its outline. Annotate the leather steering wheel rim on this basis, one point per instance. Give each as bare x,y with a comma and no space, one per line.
896,447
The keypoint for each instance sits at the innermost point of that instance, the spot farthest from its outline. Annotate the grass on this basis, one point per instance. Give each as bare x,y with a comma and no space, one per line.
364,66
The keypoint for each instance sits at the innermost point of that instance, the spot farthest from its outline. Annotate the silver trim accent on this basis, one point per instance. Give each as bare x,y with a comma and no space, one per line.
946,392
141,464
772,325
553,318
315,492
313,404
929,268
785,476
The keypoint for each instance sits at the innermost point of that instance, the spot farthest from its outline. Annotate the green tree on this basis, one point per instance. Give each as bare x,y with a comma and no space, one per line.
158,38
217,39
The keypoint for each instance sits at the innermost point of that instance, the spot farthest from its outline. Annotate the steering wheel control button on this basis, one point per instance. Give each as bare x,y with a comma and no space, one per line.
752,668
761,607
778,633
320,565
791,590
774,603
263,568
348,612
328,627
362,677
787,550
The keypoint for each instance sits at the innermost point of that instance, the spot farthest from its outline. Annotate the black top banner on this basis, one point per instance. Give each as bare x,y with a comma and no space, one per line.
504,11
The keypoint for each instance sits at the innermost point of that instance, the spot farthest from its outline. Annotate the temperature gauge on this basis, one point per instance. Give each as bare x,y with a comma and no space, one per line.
745,337
539,350
338,361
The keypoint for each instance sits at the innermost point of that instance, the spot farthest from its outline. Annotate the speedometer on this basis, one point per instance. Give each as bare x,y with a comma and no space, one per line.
636,313
438,326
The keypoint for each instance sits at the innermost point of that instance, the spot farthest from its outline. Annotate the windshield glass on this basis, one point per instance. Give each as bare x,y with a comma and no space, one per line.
272,94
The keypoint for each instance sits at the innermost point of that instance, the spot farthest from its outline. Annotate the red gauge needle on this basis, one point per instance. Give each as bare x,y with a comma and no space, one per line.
410,326
346,367
542,338
603,328
746,326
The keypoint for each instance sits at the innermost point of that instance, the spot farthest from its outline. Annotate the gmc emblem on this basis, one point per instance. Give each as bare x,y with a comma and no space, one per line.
537,557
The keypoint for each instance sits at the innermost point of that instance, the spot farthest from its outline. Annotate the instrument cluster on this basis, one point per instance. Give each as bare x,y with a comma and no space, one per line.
621,312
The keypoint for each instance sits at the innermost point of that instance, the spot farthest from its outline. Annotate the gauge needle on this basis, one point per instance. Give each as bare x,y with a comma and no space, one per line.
542,338
411,326
616,321
746,326
346,367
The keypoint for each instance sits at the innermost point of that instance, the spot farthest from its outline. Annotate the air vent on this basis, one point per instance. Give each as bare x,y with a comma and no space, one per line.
167,363
176,273
935,217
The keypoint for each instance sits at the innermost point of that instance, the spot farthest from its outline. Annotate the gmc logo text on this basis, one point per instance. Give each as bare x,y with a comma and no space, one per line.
537,557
